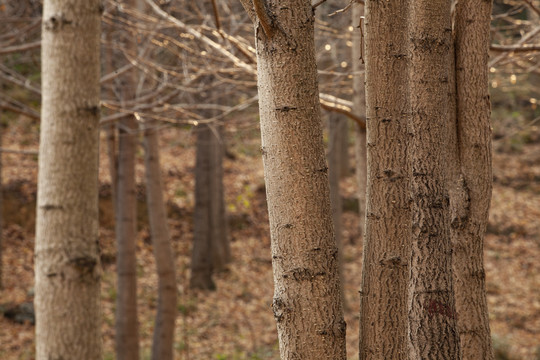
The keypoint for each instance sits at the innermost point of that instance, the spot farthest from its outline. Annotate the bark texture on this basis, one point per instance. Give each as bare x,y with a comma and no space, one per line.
471,184
432,332
383,297
67,263
162,346
306,304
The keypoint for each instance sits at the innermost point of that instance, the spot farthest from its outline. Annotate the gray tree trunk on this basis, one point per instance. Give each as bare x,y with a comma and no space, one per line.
162,347
432,332
67,263
383,297
306,304
471,182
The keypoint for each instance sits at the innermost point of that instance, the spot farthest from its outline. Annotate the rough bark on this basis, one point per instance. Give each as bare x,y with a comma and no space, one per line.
127,333
383,298
432,332
359,109
306,304
211,250
162,347
471,184
67,263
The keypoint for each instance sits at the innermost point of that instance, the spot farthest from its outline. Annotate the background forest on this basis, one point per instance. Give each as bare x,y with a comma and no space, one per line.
195,83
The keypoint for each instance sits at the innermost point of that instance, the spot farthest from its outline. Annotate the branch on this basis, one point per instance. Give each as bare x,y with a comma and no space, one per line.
19,48
25,152
514,48
199,36
264,18
335,104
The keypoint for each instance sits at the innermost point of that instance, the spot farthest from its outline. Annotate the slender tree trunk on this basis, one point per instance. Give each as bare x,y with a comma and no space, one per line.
127,333
432,330
162,348
471,185
201,260
334,174
67,263
127,342
343,126
221,251
306,304
359,108
211,250
383,298
1,210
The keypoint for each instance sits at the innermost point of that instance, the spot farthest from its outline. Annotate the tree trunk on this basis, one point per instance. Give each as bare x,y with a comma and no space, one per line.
162,347
383,300
211,250
471,185
1,209
359,109
127,333
67,263
335,126
306,304
127,342
432,330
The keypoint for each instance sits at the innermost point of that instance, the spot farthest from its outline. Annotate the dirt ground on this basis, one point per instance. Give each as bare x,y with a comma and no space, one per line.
235,322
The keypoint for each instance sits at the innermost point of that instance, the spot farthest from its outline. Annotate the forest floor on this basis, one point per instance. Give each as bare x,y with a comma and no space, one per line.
235,321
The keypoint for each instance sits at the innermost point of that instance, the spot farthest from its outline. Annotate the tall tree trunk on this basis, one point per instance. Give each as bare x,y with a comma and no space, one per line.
201,260
221,251
306,304
359,109
162,347
334,174
127,328
67,263
432,330
471,186
127,342
1,209
210,244
383,301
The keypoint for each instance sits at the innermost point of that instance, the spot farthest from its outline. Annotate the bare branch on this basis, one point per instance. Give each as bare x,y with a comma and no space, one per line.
20,48
514,48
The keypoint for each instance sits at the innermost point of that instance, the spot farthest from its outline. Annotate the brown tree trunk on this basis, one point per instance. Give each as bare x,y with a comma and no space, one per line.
162,347
127,342
211,250
306,304
383,301
359,109
334,173
1,210
432,332
471,184
127,333
67,263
